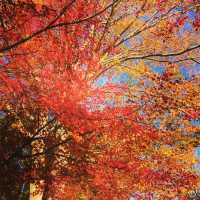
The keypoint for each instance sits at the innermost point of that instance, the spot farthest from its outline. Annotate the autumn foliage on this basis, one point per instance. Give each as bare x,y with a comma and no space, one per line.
72,125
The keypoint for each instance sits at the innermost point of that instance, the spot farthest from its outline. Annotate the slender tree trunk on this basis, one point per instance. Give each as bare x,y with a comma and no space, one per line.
45,195
49,159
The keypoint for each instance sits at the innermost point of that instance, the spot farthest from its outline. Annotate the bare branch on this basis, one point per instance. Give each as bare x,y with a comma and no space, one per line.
175,54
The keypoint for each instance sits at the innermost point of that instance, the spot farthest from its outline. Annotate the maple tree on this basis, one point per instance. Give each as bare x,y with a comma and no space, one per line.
85,139
166,100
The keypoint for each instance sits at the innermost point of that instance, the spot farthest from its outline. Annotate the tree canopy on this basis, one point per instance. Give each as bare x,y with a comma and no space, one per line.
99,99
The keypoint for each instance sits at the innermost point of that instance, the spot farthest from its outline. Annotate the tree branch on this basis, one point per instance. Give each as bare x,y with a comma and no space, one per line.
175,54
51,26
